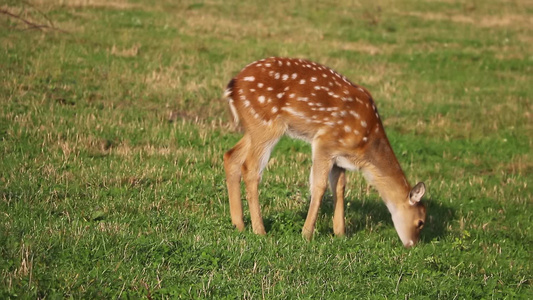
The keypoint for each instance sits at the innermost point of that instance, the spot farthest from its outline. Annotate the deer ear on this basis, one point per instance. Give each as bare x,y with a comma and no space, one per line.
415,195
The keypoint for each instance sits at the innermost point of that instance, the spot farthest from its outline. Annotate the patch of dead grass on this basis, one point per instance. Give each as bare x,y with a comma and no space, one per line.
24,269
362,46
265,26
125,52
483,21
114,4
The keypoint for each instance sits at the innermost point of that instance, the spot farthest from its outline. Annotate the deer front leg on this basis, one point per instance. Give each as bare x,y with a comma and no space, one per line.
337,182
319,180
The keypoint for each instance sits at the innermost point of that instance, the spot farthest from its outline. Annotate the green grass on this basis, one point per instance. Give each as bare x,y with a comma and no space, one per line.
112,131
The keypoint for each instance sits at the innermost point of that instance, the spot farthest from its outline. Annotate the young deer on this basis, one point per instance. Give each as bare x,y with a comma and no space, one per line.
309,101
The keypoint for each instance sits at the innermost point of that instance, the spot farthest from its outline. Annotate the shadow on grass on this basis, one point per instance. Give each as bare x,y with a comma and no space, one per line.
373,213
370,214
439,215
286,222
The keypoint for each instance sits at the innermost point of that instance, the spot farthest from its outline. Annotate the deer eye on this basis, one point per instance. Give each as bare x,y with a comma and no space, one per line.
420,224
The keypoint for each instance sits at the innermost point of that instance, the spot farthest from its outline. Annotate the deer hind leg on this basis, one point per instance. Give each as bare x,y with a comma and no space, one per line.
322,165
233,162
253,166
337,182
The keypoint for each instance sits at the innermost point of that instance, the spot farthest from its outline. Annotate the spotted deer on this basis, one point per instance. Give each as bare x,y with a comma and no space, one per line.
305,100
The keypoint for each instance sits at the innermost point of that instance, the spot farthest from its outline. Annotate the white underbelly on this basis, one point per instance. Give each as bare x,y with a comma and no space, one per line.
345,163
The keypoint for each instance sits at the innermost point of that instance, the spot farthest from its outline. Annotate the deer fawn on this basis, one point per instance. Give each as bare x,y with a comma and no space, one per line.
339,119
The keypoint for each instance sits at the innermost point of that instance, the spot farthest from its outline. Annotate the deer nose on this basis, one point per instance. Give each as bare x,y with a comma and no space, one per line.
409,244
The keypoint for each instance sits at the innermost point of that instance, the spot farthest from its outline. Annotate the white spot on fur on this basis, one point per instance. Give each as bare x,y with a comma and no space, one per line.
353,113
249,78
293,112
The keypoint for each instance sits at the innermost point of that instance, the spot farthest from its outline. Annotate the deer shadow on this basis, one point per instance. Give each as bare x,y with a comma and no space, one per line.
365,214
370,214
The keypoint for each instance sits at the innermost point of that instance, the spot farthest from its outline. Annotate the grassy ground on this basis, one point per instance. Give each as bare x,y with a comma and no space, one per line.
112,131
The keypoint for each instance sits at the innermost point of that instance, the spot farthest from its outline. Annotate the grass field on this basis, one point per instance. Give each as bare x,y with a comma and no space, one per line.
112,132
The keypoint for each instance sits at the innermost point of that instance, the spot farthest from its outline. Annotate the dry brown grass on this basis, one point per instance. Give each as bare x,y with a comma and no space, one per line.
111,4
125,52
508,20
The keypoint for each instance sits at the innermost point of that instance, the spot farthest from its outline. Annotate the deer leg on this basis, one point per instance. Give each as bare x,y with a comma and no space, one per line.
337,182
252,170
319,181
233,162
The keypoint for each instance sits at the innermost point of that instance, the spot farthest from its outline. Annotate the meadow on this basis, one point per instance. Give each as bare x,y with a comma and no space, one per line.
113,130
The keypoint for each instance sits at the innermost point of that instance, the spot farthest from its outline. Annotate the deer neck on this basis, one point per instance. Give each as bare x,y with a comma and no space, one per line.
383,171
